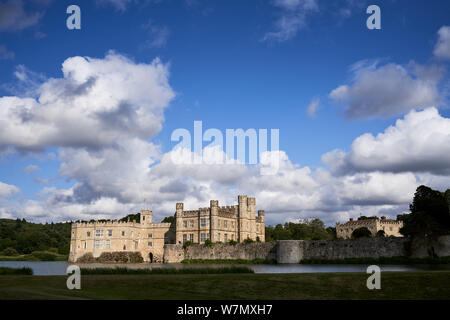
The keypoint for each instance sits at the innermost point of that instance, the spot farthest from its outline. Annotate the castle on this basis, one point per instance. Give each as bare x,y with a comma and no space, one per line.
390,227
214,223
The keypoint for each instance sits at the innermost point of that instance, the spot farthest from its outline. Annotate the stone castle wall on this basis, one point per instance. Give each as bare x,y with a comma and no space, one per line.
293,251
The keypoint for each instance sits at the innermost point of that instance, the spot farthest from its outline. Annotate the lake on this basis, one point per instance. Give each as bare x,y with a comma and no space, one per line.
49,268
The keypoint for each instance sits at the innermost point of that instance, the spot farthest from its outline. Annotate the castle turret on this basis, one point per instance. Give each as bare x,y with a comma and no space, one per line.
251,214
179,223
146,217
214,219
243,218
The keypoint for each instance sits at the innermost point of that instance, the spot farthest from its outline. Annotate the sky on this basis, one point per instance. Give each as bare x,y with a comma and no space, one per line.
87,115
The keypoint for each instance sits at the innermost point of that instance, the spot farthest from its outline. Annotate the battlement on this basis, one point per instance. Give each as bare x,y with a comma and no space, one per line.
116,223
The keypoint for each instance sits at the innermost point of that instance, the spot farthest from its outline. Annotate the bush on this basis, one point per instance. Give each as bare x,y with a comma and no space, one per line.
53,250
206,270
86,258
258,239
187,244
380,234
209,243
248,240
232,242
44,255
121,257
10,252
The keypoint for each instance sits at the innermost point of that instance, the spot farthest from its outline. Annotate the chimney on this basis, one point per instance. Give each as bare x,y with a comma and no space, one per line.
351,219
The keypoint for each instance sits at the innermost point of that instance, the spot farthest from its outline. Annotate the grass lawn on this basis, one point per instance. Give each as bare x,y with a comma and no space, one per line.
394,285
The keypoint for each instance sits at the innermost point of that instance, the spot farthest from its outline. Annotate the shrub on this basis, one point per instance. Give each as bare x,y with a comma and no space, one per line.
187,244
44,255
209,243
248,240
258,239
380,234
86,258
232,242
10,252
53,250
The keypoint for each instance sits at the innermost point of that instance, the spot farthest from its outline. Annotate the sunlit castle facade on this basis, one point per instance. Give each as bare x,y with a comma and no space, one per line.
214,223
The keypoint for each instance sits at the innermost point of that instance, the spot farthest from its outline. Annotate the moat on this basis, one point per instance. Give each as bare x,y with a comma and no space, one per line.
59,267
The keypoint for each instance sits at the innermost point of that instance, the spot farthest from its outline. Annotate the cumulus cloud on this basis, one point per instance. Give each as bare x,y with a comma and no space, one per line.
8,190
292,18
442,48
385,91
95,104
420,142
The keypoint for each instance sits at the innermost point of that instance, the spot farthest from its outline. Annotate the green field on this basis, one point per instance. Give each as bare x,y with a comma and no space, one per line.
394,285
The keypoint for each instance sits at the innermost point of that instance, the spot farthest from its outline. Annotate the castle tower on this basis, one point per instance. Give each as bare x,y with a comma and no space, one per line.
179,223
262,232
243,218
214,206
251,214
146,217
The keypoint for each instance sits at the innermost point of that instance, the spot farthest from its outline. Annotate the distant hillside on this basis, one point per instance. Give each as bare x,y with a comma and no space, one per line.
26,237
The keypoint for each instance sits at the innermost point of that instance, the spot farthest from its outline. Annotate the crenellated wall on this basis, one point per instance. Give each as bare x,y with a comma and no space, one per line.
293,251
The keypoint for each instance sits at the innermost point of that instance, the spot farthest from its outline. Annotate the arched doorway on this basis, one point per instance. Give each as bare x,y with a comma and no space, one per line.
150,255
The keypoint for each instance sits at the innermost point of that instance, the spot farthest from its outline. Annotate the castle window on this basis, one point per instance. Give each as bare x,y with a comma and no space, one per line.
390,228
184,238
109,233
123,233
191,223
98,244
225,237
184,224
84,245
191,237
150,244
108,244
204,222
225,223
143,218
204,236
257,227
219,236
124,247
150,235
88,233
99,232
232,224
219,223
232,236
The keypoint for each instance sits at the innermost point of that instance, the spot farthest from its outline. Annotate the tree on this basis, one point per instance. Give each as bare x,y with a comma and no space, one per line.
430,214
170,219
380,234
362,232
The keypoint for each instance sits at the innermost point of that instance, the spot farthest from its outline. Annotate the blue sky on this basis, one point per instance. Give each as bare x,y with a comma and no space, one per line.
231,65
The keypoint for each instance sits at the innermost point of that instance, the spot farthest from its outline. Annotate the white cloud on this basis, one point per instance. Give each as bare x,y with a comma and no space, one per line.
8,190
442,48
312,108
420,142
31,168
158,35
385,91
13,16
103,101
292,18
